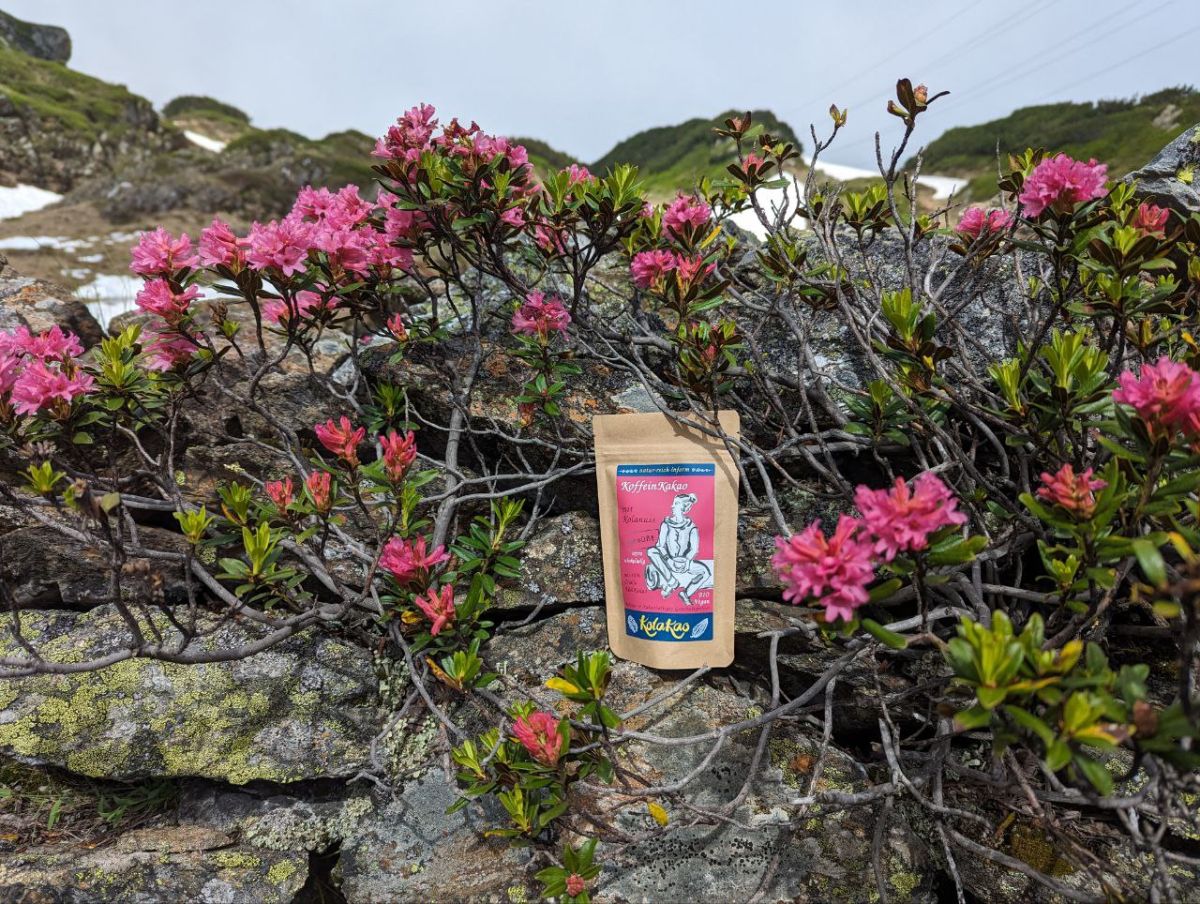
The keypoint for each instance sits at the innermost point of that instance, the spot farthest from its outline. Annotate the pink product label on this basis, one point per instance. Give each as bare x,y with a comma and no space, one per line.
665,528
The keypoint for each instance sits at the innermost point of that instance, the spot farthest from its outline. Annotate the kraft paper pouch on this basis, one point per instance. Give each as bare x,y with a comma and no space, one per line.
668,532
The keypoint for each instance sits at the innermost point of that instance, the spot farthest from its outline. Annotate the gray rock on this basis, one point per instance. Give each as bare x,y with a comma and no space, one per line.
303,709
39,305
170,864
411,850
786,853
560,564
1160,180
44,568
46,42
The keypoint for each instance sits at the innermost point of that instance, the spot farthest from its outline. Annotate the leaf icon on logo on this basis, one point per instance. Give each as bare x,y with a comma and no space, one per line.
699,628
632,623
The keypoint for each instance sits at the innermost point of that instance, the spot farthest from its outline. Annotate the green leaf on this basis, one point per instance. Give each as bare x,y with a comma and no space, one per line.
883,635
1093,770
1151,561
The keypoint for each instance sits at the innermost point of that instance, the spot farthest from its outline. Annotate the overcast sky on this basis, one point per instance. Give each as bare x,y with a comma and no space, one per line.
585,75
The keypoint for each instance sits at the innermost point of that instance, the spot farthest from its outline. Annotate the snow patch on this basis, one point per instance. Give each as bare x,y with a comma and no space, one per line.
209,144
41,242
21,199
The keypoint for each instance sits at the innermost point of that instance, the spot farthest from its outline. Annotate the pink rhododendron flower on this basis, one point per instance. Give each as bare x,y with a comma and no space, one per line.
514,216
835,570
688,269
575,885
396,327
320,489
438,606
1150,219
341,438
1073,492
1166,395
976,222
1059,183
538,733
901,520
408,560
281,245
306,304
399,452
53,344
219,247
164,349
410,135
38,386
157,254
648,267
281,492
549,239
10,369
157,297
540,316
577,174
686,214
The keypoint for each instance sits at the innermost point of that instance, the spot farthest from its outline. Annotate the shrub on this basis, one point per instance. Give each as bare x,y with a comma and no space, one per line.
1019,495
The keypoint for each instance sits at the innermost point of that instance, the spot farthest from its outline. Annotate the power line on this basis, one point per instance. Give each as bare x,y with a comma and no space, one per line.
949,20
1056,91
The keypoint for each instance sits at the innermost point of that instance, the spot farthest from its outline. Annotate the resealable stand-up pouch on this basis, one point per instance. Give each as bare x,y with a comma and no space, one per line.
668,532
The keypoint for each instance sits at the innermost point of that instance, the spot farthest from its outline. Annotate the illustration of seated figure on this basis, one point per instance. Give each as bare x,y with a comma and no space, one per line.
673,564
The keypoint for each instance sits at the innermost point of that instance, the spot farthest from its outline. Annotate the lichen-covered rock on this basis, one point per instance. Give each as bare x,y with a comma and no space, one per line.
39,305
279,822
171,864
44,568
303,709
560,564
1172,178
412,850
773,848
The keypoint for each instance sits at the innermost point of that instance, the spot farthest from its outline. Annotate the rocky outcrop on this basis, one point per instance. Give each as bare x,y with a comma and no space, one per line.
176,863
1172,178
39,305
46,42
303,709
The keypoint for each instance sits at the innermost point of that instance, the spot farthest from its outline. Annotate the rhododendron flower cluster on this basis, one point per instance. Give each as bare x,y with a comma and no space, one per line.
414,134
341,438
1071,491
1059,183
648,267
836,570
900,520
976,222
1166,396
158,254
686,215
538,733
1150,219
280,492
220,247
399,452
157,297
320,489
305,305
540,316
39,372
438,606
409,561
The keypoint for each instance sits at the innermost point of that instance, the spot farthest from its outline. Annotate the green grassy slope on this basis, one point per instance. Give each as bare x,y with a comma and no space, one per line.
671,158
81,104
1122,133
